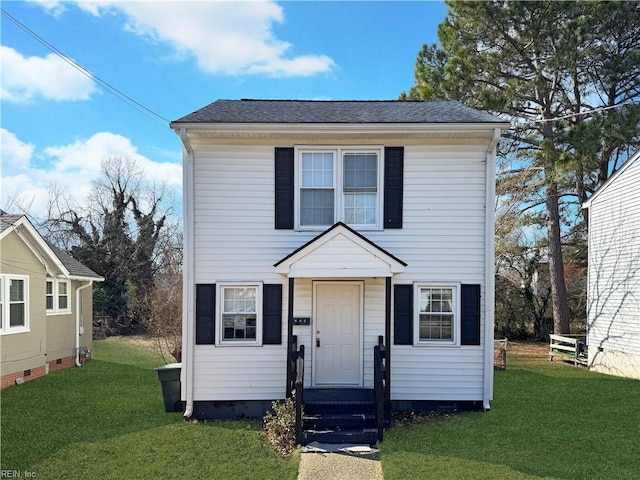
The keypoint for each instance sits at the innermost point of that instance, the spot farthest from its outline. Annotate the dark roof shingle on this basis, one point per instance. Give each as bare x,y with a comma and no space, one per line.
7,220
337,111
75,268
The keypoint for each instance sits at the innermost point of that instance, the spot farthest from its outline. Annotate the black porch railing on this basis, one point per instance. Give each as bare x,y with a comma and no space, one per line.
295,383
291,367
299,392
379,360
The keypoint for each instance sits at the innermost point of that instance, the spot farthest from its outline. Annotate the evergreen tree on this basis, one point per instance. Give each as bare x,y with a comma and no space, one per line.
567,74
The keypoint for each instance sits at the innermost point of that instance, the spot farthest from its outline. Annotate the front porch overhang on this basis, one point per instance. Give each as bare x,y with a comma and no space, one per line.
339,252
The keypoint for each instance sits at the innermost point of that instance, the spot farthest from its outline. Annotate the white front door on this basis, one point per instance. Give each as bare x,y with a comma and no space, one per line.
337,356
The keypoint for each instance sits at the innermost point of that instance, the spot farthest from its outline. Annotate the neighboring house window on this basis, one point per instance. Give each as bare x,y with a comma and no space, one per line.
437,319
14,308
240,314
49,295
339,185
57,296
63,295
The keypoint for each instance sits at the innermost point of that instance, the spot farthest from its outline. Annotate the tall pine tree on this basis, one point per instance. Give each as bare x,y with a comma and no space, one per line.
568,76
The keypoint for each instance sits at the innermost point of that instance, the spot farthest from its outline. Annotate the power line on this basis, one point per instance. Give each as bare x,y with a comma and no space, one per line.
593,110
104,84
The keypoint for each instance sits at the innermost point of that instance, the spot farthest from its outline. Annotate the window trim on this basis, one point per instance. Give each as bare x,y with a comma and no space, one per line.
219,337
56,310
52,295
5,304
457,315
338,152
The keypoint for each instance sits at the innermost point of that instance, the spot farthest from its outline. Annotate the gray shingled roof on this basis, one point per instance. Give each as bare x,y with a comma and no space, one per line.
336,111
7,220
75,268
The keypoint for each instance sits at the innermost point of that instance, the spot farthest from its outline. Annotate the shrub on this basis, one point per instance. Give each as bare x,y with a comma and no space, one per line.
165,316
280,425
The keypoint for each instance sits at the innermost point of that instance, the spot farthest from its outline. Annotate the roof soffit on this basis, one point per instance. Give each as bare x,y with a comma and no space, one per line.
308,132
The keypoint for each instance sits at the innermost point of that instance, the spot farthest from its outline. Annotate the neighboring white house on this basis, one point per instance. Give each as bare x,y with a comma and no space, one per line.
614,273
336,223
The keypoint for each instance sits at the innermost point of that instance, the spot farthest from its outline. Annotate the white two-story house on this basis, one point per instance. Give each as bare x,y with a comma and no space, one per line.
337,226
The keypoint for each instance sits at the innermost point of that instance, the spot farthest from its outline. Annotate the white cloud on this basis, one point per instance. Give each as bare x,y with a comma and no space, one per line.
54,7
50,77
15,153
224,37
72,168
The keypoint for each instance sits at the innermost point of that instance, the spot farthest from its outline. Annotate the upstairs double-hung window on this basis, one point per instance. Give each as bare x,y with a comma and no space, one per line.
339,185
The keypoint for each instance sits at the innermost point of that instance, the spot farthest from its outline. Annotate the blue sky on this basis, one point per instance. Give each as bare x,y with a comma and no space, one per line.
58,125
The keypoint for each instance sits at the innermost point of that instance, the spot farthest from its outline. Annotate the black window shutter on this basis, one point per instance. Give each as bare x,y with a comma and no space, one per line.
393,186
284,188
470,324
403,314
205,313
272,314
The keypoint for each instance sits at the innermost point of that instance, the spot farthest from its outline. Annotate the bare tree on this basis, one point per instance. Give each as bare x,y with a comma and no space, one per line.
117,233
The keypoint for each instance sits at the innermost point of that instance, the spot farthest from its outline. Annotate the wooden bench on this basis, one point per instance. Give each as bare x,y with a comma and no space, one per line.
568,347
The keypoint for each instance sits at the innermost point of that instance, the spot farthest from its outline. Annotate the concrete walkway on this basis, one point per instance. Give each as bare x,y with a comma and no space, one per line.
320,461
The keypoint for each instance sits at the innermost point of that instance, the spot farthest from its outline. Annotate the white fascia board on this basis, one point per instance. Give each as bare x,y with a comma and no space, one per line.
86,279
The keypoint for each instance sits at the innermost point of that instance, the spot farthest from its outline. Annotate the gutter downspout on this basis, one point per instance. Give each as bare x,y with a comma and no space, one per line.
188,279
489,255
78,290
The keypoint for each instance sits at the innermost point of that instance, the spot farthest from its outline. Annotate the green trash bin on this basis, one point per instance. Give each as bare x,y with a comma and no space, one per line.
169,376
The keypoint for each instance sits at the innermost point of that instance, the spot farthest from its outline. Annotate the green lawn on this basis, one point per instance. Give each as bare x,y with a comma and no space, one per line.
107,421
548,420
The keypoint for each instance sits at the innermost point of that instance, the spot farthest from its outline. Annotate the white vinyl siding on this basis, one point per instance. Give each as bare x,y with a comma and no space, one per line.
442,241
614,275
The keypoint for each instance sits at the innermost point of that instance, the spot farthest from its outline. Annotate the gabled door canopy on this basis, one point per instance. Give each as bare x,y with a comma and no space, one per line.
339,252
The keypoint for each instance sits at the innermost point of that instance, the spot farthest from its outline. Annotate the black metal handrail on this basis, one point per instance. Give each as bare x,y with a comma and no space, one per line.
379,356
299,391
291,368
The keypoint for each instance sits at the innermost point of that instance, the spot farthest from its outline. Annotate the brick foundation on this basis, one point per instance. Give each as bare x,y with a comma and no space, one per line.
9,380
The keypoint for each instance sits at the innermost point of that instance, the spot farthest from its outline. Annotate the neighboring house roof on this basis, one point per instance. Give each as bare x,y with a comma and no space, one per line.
75,268
67,265
7,221
634,158
336,111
